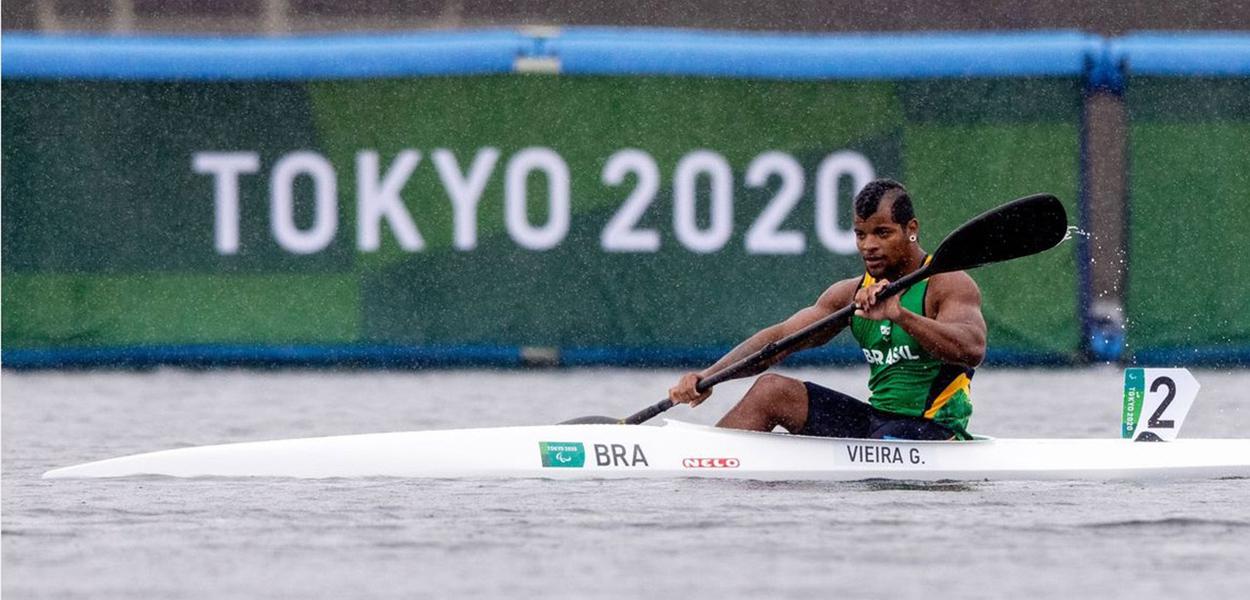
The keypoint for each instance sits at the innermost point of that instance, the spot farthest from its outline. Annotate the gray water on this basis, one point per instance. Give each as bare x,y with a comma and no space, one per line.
691,539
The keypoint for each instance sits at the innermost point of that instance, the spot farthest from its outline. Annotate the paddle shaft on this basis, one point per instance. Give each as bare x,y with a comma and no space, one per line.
748,363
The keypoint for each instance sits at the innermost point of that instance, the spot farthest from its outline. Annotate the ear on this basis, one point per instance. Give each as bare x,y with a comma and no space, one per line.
912,227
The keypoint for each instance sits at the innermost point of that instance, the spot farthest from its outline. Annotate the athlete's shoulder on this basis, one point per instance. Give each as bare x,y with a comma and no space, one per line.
848,285
956,284
954,279
840,294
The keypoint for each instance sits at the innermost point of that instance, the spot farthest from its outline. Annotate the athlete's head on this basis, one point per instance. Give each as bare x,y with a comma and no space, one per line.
885,227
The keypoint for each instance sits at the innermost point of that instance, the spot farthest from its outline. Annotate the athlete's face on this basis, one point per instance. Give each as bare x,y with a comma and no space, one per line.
883,244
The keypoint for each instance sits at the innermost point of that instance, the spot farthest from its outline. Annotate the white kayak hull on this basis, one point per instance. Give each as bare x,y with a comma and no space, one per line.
678,450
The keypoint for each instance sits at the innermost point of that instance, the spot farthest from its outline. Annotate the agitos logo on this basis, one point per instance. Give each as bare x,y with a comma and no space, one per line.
710,463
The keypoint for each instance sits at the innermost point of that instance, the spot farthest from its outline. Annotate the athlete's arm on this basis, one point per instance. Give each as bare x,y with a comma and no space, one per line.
956,332
835,297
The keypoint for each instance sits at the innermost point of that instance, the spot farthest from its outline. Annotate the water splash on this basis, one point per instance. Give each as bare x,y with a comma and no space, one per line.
1073,230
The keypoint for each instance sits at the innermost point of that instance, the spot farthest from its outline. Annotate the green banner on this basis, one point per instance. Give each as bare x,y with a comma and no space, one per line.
570,212
1189,144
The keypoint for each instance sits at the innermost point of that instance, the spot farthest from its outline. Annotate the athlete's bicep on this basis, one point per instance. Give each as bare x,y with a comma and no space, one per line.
959,301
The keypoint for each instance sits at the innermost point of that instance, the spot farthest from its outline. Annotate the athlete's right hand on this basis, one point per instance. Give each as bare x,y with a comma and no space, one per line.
685,393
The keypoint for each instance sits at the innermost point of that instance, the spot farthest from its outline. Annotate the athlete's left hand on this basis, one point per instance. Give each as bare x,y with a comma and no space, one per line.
868,307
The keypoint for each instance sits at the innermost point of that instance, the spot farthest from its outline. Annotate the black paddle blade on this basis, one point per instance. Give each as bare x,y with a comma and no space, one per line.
591,421
1019,228
634,419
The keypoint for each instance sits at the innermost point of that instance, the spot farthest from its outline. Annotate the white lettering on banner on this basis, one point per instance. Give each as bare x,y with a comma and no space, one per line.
764,236
225,167
378,200
282,203
698,175
516,198
465,192
828,174
621,233
685,180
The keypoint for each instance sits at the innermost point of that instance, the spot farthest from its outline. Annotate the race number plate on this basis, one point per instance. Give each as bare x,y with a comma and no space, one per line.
1156,402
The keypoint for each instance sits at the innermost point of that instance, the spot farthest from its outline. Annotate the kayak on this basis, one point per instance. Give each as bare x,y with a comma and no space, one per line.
1156,402
678,449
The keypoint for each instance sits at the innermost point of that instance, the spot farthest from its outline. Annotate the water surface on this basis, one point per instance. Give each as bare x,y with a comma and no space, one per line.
692,539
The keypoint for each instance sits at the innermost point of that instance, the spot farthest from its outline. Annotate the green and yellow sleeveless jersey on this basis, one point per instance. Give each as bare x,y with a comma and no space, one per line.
907,380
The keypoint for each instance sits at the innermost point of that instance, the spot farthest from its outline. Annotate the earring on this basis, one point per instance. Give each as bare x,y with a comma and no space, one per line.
912,238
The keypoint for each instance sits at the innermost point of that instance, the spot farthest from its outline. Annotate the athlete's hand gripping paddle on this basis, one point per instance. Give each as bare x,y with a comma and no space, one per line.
1019,228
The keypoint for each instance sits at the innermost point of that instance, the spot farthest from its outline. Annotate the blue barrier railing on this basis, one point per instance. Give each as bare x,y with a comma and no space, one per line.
578,50
866,56
237,59
608,51
1182,54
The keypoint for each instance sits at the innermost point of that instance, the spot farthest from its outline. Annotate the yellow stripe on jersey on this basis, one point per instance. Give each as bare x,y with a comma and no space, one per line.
960,383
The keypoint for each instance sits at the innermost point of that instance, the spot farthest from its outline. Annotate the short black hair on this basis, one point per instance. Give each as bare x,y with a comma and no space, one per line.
869,199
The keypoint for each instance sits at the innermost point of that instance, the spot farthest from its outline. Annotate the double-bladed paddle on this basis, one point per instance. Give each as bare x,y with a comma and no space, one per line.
1019,228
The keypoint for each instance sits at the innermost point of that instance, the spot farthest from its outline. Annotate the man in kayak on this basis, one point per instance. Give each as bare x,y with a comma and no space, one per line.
921,345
